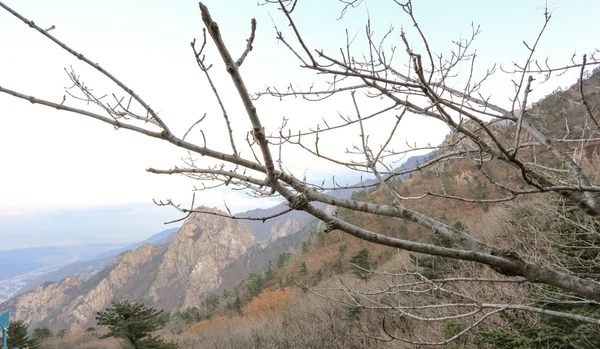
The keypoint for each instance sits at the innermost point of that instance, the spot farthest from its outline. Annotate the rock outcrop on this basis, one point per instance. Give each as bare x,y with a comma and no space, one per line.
197,259
170,276
125,274
44,301
285,227
208,253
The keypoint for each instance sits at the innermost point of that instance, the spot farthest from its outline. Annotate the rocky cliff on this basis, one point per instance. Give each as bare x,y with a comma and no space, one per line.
43,302
124,280
169,276
197,259
209,253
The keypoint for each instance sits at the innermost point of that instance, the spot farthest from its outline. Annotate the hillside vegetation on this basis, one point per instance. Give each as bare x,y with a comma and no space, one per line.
336,291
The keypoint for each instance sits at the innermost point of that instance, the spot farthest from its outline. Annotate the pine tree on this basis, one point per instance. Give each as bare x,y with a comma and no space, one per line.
211,302
434,267
320,237
353,315
337,266
269,271
237,303
318,276
302,269
283,258
361,263
41,333
133,322
305,246
254,284
17,335
192,315
61,333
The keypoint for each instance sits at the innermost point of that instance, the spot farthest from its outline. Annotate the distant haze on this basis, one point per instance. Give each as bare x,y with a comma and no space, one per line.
60,227
108,224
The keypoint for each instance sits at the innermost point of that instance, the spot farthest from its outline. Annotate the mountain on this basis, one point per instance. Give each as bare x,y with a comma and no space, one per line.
269,231
35,266
96,263
207,254
169,276
72,300
27,264
164,237
272,229
197,259
211,254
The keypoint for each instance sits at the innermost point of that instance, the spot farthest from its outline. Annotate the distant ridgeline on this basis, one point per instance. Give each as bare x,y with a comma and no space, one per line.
172,270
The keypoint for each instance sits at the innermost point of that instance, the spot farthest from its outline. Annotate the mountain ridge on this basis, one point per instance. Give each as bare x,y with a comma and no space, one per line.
92,263
207,254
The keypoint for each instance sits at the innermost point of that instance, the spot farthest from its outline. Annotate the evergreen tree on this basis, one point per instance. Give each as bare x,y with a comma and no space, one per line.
353,315
61,333
337,266
17,335
318,276
305,246
254,284
361,262
320,237
191,315
133,322
283,258
155,342
434,267
163,318
91,329
237,303
211,302
302,269
41,333
269,271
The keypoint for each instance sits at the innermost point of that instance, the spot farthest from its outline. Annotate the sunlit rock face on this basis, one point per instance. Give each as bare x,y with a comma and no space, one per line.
197,259
42,302
170,276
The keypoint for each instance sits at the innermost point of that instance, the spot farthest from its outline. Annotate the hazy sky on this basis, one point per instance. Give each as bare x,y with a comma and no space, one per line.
68,179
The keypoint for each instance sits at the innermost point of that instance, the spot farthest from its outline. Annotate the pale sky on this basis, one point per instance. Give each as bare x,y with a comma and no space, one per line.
56,164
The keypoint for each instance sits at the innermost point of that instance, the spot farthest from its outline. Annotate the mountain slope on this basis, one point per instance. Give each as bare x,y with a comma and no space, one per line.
164,237
166,276
92,264
207,254
196,259
292,222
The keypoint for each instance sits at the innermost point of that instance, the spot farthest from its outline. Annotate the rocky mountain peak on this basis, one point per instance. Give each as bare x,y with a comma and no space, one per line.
170,276
197,257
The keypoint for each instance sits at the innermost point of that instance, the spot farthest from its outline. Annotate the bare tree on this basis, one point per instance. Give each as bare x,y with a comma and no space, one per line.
517,137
